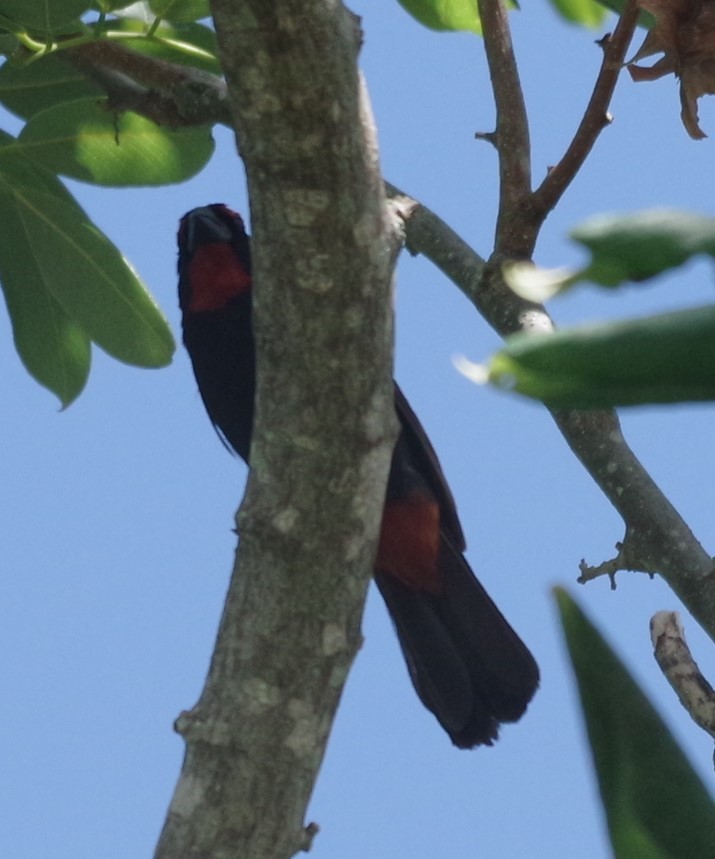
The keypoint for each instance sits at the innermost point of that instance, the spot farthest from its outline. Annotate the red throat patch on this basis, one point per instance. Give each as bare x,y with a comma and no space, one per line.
216,276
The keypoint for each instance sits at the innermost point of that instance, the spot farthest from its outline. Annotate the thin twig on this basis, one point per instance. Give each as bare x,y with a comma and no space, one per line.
512,127
595,118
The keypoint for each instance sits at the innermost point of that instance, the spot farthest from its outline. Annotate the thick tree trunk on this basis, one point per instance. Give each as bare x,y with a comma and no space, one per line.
323,253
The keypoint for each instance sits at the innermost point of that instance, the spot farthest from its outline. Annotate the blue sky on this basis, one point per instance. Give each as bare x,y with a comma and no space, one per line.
116,514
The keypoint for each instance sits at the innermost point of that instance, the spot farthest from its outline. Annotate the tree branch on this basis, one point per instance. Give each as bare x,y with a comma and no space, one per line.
675,660
521,211
294,170
167,93
657,540
427,234
512,128
596,116
323,250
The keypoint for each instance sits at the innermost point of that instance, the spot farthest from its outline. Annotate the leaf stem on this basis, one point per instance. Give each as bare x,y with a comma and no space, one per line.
154,26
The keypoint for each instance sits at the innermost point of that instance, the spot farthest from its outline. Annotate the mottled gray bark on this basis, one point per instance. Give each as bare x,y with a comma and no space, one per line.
323,250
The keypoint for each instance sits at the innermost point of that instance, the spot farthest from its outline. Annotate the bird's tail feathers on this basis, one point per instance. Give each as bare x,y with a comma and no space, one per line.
467,664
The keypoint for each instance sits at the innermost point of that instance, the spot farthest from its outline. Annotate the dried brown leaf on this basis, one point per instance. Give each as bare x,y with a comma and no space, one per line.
684,32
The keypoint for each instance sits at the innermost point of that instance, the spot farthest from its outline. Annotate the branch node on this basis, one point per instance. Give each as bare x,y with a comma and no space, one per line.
596,116
182,723
487,136
309,833
192,726
607,568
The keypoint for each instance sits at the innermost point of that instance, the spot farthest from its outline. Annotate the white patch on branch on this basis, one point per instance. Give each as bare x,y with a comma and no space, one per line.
303,739
334,639
680,669
189,794
260,696
285,520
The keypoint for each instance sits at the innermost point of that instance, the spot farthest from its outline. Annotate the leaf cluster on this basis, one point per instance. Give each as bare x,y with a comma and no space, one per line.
66,284
456,15
667,358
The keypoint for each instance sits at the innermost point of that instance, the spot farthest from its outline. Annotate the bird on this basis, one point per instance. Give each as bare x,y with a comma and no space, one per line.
467,665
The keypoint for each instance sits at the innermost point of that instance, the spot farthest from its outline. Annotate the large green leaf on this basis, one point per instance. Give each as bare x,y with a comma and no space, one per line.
45,16
8,42
94,284
588,13
624,249
113,5
645,19
188,44
641,245
26,90
85,140
445,14
53,347
181,11
658,359
25,172
80,268
141,11
655,804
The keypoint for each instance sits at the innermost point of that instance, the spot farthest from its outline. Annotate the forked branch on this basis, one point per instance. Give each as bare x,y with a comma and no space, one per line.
657,540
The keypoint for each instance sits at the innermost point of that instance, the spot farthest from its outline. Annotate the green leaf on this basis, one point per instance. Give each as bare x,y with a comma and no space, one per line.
65,282
112,5
445,14
658,359
26,90
645,19
588,13
85,140
24,172
54,349
181,11
45,16
186,44
94,284
641,245
8,42
139,11
656,805
80,268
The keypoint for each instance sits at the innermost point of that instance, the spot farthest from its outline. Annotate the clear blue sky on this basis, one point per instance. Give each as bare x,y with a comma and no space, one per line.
116,515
